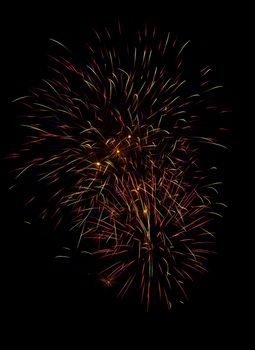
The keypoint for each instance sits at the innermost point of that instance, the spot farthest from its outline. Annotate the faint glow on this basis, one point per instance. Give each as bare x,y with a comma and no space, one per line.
108,281
98,163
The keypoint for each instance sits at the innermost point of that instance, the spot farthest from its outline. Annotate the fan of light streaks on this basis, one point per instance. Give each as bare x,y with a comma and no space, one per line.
115,140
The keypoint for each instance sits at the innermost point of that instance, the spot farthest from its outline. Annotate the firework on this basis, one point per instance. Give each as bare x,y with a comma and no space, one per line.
114,143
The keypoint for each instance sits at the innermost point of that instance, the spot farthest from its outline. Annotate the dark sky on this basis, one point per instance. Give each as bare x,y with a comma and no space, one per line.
45,298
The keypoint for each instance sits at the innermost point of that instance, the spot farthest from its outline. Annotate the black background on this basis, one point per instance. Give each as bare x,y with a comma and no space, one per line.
45,299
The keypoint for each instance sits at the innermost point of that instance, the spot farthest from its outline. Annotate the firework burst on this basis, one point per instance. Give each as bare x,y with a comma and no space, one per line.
115,141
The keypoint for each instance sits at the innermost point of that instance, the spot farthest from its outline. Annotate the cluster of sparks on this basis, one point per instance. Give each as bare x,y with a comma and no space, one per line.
115,141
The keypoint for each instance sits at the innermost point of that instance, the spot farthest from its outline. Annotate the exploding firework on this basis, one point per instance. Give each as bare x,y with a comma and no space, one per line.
114,143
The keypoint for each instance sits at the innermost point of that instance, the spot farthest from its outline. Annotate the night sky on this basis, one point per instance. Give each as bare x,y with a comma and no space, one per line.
46,298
